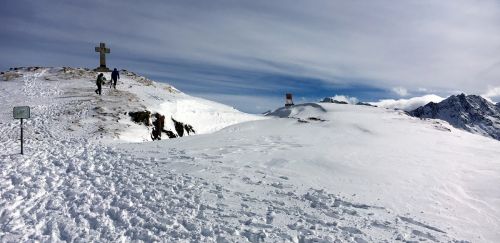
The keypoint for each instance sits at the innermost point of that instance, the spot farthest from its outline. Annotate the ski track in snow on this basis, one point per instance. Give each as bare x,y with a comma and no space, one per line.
74,187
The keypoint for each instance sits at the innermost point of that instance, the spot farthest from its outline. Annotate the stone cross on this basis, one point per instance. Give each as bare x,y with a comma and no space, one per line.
102,57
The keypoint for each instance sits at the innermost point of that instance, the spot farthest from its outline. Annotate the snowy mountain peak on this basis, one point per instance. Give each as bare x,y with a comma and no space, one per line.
472,113
332,100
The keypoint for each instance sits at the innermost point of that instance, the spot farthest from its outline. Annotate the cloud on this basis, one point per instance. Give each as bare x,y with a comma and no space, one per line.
408,104
247,103
493,94
229,45
345,98
400,91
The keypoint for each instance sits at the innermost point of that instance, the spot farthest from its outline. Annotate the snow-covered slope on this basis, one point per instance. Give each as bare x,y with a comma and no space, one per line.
469,112
299,111
107,116
408,179
330,172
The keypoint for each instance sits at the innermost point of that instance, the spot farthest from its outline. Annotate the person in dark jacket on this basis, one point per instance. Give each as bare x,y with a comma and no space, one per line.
99,82
115,75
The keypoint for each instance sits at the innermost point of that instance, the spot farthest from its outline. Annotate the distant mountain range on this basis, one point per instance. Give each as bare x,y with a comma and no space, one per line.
332,100
469,112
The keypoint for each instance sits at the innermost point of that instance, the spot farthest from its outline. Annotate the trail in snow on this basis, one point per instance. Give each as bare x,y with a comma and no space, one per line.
245,183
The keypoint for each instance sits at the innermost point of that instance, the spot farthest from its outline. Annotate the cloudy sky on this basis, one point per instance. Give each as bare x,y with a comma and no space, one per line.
249,53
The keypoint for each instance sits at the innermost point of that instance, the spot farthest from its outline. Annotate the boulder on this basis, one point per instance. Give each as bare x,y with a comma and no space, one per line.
141,117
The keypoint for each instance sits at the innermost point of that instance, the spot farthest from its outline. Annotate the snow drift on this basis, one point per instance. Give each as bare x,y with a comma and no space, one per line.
299,111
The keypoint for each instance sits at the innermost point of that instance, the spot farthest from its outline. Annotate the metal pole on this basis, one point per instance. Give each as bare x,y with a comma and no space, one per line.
22,136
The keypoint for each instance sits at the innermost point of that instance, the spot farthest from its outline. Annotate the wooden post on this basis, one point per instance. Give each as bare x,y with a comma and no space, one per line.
22,140
21,112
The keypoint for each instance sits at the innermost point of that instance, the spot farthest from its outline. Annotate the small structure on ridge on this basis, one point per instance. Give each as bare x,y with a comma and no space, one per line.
288,100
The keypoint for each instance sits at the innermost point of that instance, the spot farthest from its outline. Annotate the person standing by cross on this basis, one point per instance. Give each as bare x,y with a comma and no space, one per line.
115,75
100,80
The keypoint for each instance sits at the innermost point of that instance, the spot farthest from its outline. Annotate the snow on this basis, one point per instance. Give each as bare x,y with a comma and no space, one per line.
408,104
299,111
344,98
312,172
468,112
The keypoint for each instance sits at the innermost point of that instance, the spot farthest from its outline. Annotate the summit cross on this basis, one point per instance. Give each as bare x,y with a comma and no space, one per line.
102,57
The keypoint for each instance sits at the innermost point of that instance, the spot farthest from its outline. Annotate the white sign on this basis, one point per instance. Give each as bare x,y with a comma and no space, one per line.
21,112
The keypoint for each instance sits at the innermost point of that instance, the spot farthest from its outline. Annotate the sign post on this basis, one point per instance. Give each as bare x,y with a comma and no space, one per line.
21,112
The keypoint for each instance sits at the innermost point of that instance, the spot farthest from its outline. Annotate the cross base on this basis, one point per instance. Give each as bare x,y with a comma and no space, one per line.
102,69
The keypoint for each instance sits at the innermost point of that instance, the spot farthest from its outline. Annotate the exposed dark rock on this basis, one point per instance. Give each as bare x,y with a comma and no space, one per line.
331,100
315,119
158,128
365,104
141,117
179,127
170,134
468,112
189,129
158,124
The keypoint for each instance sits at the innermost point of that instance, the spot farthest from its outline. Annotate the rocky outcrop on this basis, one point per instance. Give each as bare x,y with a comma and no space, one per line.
189,129
10,75
158,125
365,104
141,117
170,134
331,100
179,127
468,112
182,128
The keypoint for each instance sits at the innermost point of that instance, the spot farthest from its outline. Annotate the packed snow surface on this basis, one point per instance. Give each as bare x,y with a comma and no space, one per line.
312,172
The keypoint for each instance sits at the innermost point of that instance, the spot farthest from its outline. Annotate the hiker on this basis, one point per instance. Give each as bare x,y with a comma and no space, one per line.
99,82
115,75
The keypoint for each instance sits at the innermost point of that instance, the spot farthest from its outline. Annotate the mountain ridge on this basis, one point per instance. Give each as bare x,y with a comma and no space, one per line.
472,113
